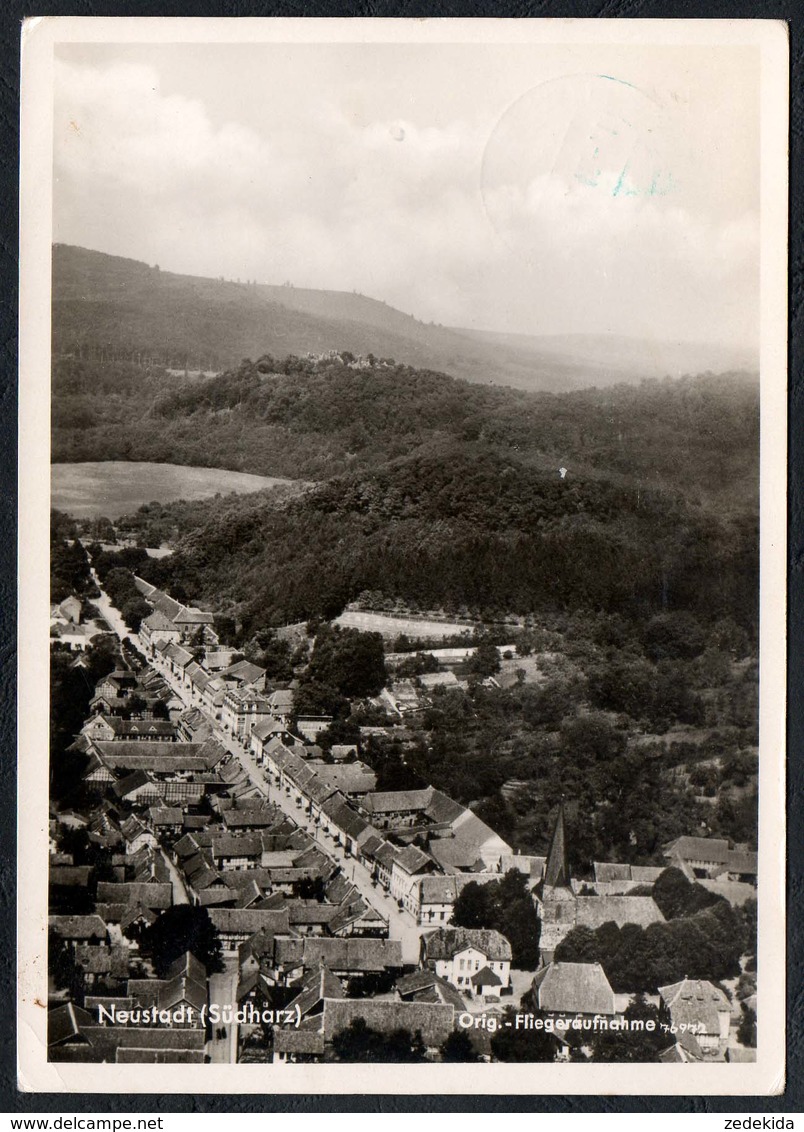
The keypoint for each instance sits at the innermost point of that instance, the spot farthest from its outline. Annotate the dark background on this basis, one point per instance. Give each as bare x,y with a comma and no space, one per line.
12,12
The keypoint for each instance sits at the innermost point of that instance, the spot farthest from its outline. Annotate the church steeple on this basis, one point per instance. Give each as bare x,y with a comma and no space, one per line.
556,873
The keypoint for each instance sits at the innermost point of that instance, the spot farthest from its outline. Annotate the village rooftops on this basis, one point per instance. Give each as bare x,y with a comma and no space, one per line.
574,988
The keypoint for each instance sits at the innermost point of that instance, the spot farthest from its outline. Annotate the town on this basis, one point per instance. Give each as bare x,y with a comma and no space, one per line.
227,886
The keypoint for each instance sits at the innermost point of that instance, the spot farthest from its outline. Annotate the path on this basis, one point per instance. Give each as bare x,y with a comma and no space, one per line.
111,615
223,993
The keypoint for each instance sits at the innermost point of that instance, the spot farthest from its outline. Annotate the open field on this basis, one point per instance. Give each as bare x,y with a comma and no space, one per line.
391,626
117,487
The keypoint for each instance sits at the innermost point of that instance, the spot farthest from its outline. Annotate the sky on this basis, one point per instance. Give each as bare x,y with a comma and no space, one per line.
525,188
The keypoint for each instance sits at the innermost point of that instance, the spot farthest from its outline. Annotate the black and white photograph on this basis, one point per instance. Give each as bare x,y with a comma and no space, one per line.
406,542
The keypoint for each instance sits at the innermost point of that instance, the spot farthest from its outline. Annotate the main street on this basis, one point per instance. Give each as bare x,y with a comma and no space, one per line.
401,925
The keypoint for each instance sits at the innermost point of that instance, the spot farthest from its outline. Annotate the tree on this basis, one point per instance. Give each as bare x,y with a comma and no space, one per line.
486,659
360,1043
458,1047
634,1044
184,927
350,661
747,1028
512,1044
676,896
507,907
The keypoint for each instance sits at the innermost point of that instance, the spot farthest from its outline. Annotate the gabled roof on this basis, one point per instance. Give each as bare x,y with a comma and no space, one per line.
149,895
592,911
65,1023
412,860
244,671
574,988
698,849
158,622
693,1002
190,966
77,927
485,977
248,921
397,801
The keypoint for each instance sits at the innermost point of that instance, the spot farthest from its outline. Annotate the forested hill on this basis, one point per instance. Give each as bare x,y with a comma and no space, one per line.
696,436
107,308
459,530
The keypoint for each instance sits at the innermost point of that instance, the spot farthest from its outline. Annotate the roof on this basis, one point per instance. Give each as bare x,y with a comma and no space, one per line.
412,859
438,889
77,927
149,895
698,849
695,1001
187,615
448,942
435,1021
397,801
70,876
231,845
485,977
352,778
352,954
317,985
267,727
244,671
66,1022
574,988
158,622
281,700
248,921
592,911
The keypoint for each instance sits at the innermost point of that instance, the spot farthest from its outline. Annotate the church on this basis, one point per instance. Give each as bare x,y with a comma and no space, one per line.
561,908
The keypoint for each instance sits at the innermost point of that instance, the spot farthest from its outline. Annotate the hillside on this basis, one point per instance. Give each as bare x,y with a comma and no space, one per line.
295,419
107,307
456,529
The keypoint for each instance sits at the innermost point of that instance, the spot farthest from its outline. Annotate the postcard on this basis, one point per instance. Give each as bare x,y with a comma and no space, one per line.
402,588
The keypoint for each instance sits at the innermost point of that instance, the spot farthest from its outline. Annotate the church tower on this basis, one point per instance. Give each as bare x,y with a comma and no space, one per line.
557,907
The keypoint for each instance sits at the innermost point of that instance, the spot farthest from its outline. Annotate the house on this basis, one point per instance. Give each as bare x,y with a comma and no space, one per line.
157,627
344,957
408,864
458,954
65,1031
396,809
701,1009
281,705
702,857
242,710
432,898
236,925
79,929
352,779
107,729
573,989
136,834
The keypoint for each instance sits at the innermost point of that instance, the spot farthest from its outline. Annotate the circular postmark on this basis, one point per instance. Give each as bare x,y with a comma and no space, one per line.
571,151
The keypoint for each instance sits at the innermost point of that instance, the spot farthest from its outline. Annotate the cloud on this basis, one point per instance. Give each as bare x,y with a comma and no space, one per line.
458,219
